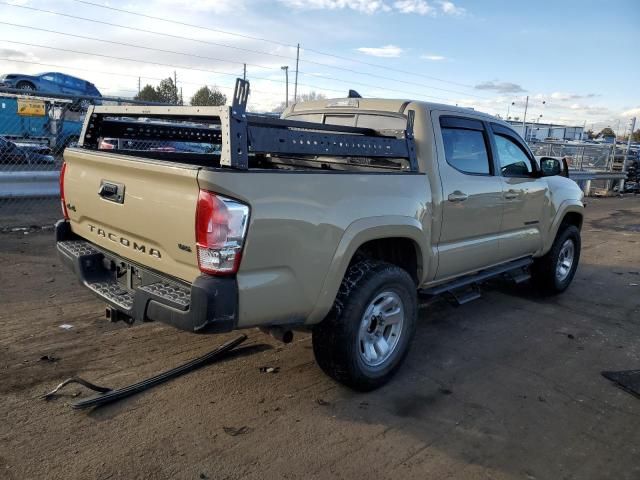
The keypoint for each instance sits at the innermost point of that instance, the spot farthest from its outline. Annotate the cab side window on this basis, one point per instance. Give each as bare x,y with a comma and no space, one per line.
465,146
514,162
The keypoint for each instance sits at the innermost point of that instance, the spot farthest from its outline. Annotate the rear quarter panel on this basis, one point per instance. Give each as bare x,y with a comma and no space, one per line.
294,256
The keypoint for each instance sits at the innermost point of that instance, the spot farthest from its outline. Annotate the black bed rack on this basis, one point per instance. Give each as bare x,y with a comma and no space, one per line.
240,133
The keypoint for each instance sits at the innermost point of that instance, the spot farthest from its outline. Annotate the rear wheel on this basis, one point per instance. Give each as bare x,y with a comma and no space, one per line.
554,272
365,338
25,86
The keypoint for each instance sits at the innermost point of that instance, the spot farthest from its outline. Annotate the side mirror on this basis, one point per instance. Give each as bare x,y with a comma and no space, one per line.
551,166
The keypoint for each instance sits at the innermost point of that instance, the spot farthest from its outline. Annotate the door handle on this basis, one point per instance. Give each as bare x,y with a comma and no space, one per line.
511,194
107,190
457,196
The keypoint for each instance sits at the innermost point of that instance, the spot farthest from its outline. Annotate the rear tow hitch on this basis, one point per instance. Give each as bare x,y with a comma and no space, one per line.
115,315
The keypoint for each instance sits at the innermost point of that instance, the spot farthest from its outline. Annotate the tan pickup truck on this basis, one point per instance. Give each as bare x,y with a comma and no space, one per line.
334,217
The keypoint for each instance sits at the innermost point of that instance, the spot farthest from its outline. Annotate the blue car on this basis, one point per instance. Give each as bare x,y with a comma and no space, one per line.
50,82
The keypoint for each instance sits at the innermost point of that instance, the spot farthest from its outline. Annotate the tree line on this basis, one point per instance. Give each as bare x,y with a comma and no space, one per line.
167,92
608,132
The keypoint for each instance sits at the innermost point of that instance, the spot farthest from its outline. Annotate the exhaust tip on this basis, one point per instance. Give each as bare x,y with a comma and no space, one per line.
282,334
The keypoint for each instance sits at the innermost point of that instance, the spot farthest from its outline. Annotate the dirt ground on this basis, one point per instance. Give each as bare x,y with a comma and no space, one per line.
508,386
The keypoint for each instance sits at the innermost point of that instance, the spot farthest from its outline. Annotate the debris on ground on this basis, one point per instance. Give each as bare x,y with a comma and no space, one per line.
111,395
66,326
269,369
81,381
48,358
237,431
322,402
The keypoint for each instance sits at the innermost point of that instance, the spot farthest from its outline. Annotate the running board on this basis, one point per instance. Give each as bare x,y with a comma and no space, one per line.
481,276
465,296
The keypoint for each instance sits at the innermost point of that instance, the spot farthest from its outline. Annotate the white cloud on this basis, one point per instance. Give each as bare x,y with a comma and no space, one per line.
450,8
417,7
433,58
362,6
634,112
564,96
387,51
421,7
500,87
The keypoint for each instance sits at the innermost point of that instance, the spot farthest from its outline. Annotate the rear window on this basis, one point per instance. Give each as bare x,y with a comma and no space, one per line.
363,120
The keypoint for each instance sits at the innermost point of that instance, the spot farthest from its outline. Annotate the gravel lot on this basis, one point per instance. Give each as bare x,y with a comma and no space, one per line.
507,386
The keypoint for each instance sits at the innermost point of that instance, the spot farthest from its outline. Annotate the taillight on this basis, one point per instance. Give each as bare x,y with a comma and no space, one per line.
63,203
107,144
221,226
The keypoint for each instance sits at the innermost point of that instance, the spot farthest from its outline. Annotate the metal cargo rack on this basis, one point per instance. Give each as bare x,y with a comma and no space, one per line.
240,133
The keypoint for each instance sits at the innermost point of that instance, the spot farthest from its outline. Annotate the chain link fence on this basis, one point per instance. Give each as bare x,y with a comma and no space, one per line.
34,131
600,158
579,156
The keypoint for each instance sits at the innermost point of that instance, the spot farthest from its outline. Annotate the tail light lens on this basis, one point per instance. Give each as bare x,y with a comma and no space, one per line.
63,203
221,227
107,144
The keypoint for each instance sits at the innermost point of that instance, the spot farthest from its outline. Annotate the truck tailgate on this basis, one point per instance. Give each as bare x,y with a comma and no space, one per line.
150,220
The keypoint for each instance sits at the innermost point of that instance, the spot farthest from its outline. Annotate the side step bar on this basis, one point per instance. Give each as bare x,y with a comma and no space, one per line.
459,288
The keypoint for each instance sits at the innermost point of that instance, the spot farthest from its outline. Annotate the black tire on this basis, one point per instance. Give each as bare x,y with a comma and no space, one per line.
25,86
336,342
543,272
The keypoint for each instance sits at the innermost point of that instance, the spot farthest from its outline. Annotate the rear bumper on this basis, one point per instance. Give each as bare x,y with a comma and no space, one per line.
209,305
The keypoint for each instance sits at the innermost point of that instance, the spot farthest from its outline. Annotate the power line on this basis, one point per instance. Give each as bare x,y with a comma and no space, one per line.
157,63
275,42
164,34
113,42
348,82
243,49
185,24
91,70
351,83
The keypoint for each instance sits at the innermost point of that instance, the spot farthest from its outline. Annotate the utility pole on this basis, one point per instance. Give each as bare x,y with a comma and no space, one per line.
244,72
524,119
626,157
295,87
286,77
175,84
138,85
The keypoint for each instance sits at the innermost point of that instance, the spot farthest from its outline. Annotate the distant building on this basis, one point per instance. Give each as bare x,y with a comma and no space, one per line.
547,131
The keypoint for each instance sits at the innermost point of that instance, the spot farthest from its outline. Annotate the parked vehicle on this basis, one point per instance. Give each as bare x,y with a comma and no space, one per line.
12,153
50,82
334,217
56,127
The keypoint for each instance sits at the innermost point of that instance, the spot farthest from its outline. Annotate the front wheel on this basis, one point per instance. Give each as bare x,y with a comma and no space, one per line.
365,338
554,272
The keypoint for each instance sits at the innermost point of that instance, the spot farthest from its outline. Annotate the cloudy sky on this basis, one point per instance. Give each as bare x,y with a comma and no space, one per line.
572,55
